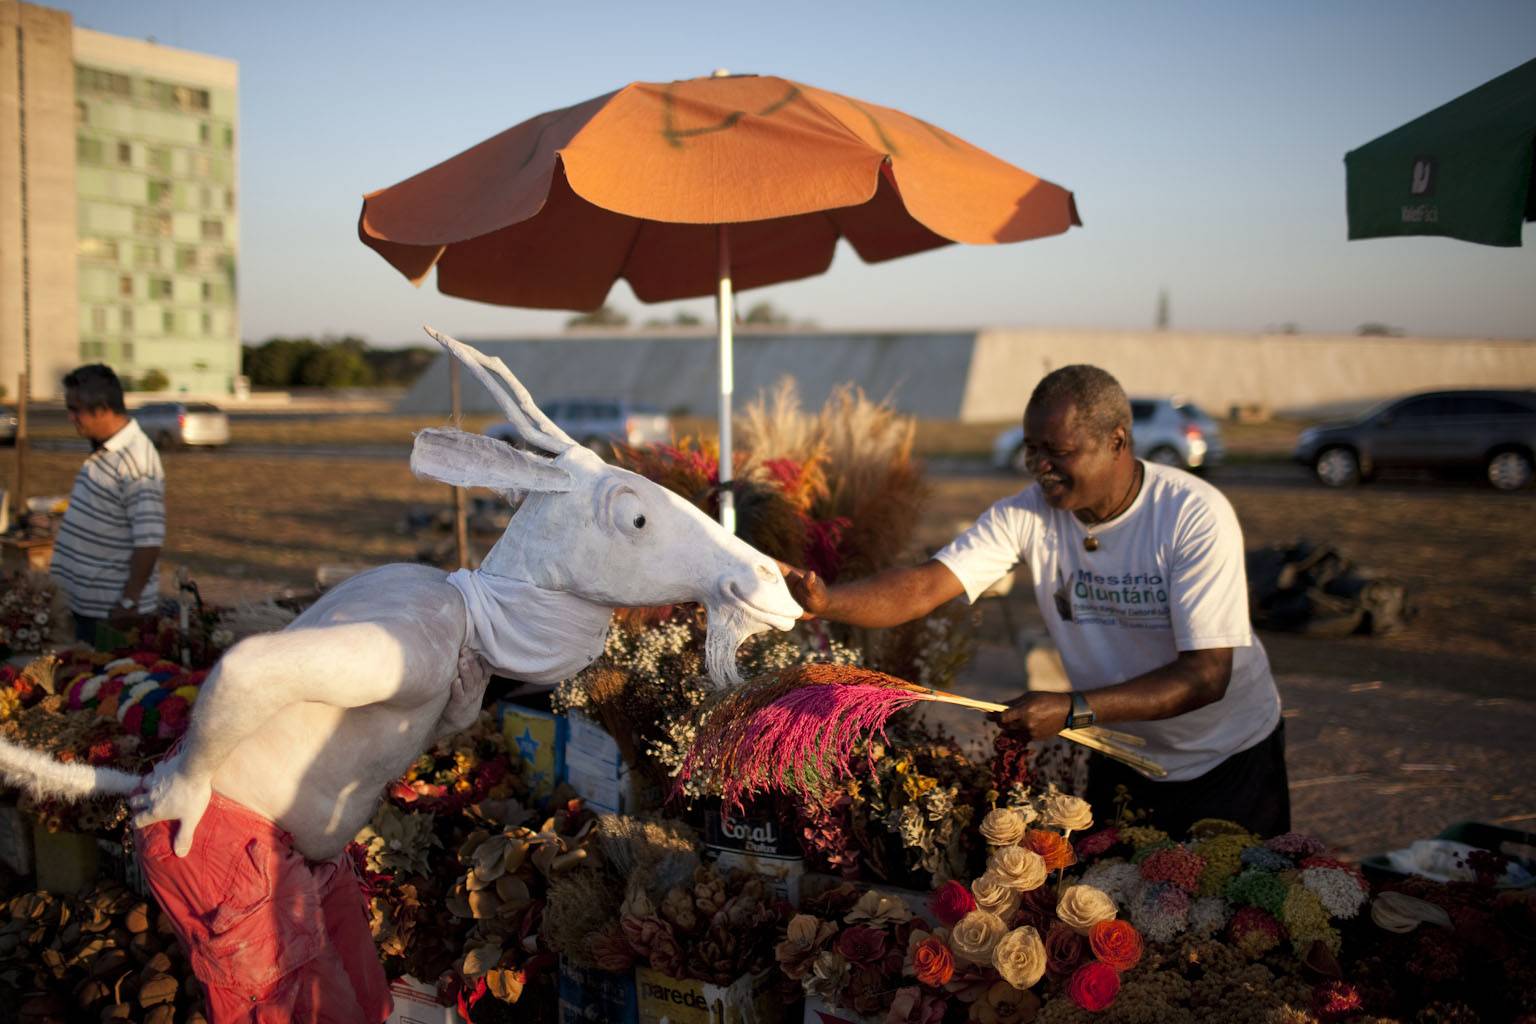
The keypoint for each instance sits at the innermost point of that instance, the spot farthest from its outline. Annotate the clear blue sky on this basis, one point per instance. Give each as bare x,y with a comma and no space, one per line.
1204,141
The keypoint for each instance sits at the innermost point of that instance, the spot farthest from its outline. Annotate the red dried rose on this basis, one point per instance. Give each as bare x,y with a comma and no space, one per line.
1117,944
861,944
1094,986
951,902
1096,843
1065,949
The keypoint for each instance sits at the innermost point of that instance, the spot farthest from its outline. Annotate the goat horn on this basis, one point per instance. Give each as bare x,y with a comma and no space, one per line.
522,411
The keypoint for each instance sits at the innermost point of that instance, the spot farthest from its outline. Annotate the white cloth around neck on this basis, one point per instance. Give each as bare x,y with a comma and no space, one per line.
528,633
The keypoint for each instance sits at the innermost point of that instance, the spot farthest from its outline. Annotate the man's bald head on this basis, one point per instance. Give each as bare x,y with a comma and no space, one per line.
1098,398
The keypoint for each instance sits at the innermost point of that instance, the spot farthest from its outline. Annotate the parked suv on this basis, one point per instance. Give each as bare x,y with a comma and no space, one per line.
173,424
599,423
1169,431
1491,431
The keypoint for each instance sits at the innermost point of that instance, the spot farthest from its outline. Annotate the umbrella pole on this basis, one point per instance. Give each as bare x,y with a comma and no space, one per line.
725,316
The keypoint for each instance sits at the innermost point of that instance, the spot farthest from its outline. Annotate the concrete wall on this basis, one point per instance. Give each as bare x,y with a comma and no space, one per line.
986,375
37,239
924,373
1290,373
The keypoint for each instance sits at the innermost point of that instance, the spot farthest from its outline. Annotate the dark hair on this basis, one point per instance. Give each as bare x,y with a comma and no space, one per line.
1099,399
96,386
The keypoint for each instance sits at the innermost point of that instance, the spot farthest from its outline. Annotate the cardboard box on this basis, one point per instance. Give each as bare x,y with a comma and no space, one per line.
760,834
416,1003
538,738
750,999
603,787
783,874
591,996
586,739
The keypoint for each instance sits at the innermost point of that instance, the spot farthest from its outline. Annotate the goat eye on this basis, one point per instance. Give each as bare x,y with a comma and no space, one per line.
639,522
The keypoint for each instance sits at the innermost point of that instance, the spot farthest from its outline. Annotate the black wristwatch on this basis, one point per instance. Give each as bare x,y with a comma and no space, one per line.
1081,716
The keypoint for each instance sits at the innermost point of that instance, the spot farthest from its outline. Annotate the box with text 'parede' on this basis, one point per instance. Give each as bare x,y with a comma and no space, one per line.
750,999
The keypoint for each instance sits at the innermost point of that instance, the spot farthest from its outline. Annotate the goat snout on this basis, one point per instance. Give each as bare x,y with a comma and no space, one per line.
762,593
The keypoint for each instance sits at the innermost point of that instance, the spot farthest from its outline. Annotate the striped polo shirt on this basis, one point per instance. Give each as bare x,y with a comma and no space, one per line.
118,504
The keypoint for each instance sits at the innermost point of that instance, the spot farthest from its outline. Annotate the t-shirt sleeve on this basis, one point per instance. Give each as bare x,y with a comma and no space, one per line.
1208,580
144,501
990,549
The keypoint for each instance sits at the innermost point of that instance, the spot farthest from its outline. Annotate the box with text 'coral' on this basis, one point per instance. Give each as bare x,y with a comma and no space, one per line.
416,1003
750,999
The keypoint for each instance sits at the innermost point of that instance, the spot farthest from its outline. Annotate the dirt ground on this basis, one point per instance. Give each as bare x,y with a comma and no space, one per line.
1390,738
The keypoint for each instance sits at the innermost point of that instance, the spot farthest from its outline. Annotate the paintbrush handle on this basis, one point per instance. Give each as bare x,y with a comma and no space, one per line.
1114,750
1106,741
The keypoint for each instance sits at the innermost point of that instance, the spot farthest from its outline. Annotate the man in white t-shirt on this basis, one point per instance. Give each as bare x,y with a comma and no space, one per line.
1138,570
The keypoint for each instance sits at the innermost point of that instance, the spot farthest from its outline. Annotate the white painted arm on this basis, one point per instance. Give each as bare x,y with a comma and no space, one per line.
349,665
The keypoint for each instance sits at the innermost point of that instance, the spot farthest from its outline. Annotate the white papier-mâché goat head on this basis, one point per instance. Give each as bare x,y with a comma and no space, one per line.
601,532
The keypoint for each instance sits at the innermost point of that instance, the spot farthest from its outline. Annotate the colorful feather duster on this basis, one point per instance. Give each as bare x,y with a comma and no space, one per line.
796,730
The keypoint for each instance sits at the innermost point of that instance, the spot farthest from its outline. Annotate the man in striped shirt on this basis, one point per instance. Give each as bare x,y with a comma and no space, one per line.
105,553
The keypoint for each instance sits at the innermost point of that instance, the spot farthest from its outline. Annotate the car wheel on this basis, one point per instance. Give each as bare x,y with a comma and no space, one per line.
1510,470
1337,467
1165,455
165,440
1018,461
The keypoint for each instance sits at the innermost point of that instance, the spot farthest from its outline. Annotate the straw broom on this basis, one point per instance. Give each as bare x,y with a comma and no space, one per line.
793,730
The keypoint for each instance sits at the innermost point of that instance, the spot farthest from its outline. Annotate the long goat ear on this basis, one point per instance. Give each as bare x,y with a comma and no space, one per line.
472,460
528,420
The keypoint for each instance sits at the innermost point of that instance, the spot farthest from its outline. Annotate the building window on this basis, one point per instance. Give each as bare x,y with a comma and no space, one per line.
160,288
88,151
213,231
98,249
168,322
229,137
127,351
98,320
125,286
160,159
125,153
95,80
146,255
127,314
207,291
82,113
207,324
159,193
157,225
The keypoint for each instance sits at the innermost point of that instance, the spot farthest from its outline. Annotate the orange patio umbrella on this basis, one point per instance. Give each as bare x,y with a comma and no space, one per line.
698,187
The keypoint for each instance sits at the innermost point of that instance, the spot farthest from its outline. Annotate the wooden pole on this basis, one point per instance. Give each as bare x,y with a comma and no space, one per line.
460,516
19,502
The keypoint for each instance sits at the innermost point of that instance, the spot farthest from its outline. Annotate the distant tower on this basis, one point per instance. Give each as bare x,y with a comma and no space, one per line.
1162,310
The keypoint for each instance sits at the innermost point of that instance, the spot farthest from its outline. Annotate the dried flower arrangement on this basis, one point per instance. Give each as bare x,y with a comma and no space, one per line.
33,613
994,940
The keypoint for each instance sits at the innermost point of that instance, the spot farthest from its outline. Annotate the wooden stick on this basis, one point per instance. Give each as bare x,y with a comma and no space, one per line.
1105,741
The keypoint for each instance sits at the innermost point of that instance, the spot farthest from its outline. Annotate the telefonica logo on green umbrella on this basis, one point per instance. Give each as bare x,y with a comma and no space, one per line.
1463,170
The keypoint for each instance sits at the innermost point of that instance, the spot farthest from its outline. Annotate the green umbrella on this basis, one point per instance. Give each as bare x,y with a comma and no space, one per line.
1462,170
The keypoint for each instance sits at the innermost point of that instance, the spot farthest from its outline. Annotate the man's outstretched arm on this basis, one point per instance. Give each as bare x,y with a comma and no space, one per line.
887,598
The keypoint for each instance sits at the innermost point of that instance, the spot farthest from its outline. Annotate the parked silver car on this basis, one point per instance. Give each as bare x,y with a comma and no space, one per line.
174,424
599,423
7,426
1170,431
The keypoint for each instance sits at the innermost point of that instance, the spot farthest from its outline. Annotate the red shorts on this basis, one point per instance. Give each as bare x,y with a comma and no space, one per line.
273,937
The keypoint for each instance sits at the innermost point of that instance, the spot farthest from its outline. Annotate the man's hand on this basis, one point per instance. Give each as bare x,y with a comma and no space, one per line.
169,795
1035,716
809,592
465,694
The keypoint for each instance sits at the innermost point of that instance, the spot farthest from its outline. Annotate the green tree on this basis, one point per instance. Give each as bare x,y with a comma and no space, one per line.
765,314
603,316
336,365
275,362
154,380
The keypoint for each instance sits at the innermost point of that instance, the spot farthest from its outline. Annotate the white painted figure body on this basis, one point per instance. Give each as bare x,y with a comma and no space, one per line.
307,726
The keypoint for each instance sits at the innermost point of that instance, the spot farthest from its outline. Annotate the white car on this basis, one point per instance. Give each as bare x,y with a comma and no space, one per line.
174,424
1168,431
599,423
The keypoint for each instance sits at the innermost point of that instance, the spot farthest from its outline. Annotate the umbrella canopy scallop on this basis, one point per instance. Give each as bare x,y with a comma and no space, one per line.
633,184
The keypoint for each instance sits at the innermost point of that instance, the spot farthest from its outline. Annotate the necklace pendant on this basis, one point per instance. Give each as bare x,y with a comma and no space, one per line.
1091,542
